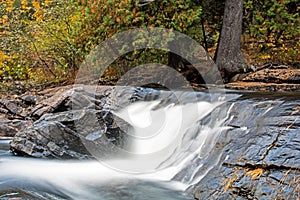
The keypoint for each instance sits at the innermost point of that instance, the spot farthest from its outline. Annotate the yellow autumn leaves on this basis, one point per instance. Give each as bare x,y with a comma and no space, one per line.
35,37
24,6
38,15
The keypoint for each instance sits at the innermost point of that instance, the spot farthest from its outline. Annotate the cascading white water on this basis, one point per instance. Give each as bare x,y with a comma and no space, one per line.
162,142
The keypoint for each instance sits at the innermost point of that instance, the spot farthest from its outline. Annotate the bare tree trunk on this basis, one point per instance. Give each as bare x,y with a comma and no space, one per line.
229,57
175,61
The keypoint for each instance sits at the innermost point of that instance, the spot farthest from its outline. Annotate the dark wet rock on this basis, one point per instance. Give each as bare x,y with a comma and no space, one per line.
65,134
65,116
294,79
47,139
3,111
261,161
261,157
73,117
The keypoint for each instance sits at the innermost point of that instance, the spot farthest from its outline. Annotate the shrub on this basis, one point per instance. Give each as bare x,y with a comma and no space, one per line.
35,37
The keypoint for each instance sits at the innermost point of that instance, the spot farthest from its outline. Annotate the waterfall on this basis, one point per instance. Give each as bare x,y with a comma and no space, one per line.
168,143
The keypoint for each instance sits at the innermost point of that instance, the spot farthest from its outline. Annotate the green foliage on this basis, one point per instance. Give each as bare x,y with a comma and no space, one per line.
274,26
46,40
101,19
212,13
273,20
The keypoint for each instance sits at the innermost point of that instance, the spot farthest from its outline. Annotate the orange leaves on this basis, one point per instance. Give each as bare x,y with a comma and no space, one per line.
229,181
296,110
9,9
30,33
260,15
93,9
9,5
4,57
255,173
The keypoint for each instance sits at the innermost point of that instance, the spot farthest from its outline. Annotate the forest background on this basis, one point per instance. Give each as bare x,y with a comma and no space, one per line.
44,41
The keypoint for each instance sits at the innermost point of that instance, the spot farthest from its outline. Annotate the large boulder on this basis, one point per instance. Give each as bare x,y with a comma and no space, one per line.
17,112
67,121
71,98
66,134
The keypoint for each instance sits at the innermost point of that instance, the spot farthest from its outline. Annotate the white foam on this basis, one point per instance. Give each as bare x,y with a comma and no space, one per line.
162,142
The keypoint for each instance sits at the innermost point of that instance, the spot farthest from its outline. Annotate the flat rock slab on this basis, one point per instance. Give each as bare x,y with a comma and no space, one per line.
275,76
261,160
264,87
269,78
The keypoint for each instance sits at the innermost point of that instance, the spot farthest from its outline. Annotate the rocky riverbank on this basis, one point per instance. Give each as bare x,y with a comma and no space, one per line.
261,151
42,124
270,78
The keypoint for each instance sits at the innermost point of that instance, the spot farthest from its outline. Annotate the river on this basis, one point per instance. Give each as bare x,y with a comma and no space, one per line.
170,174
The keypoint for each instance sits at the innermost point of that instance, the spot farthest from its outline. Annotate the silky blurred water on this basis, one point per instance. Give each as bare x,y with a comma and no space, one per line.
195,132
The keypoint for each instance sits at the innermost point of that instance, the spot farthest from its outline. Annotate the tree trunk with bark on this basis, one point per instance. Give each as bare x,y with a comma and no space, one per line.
229,57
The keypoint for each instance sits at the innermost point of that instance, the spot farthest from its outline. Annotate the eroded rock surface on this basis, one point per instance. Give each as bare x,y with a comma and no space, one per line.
64,135
261,159
8,128
267,78
67,119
